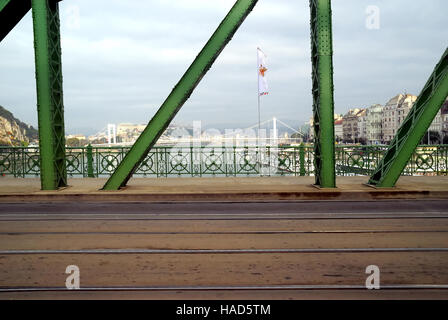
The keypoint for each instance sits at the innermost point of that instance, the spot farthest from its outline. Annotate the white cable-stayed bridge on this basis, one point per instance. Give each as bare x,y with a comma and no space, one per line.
269,133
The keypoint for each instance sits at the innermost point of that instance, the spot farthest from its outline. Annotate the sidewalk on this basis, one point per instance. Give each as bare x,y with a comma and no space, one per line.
222,189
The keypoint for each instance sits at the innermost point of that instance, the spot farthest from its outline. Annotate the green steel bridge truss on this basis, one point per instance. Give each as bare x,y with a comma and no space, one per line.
52,153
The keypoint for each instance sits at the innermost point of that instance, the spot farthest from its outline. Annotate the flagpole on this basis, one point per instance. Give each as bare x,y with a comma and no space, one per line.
258,94
259,115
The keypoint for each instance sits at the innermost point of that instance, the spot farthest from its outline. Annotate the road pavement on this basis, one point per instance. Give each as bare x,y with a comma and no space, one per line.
232,250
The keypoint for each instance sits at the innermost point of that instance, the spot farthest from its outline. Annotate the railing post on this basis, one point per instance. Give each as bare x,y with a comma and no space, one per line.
191,161
446,161
90,173
302,160
15,159
234,161
268,155
24,162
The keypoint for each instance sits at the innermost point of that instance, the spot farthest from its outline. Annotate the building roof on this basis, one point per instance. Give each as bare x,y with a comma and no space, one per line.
395,100
361,113
376,107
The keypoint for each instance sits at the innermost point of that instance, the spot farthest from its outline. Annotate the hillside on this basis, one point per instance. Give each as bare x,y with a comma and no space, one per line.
13,131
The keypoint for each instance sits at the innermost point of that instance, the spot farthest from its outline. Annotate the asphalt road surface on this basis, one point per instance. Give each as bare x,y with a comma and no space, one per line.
263,250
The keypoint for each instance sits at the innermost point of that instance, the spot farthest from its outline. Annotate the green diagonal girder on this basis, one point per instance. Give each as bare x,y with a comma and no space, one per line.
11,12
323,100
414,127
180,94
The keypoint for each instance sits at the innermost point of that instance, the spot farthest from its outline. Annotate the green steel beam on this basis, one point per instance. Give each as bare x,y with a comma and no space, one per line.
323,101
50,106
413,128
11,12
180,94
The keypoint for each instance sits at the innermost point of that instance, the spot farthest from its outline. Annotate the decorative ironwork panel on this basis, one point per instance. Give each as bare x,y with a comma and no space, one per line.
7,161
76,162
149,165
213,161
247,161
357,160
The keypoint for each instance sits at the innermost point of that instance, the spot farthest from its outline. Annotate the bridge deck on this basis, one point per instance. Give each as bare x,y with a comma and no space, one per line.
268,250
223,189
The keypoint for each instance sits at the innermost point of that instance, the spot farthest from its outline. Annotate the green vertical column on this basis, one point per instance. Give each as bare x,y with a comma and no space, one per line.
180,93
50,105
414,127
323,101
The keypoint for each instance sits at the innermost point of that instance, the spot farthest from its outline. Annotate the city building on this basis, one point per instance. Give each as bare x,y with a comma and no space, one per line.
374,117
362,127
394,112
436,125
352,126
444,113
128,132
338,130
311,133
79,137
337,118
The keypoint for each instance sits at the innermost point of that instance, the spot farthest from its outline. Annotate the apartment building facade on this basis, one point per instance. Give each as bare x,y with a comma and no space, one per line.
338,130
362,127
353,127
374,116
444,114
394,113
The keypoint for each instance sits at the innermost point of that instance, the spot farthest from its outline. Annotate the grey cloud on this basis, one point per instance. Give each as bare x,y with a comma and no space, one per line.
122,62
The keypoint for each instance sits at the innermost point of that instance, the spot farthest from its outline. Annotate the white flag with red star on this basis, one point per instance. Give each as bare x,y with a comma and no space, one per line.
262,69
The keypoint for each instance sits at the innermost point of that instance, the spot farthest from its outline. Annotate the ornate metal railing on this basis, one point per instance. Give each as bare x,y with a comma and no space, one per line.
222,161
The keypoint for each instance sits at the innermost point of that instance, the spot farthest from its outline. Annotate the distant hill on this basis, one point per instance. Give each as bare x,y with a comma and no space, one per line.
13,131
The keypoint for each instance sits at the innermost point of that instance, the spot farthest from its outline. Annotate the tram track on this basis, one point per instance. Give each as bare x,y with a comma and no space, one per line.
218,251
254,207
230,288
186,217
225,233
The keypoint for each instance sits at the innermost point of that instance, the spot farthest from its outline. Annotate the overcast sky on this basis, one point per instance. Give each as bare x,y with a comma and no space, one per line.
121,58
